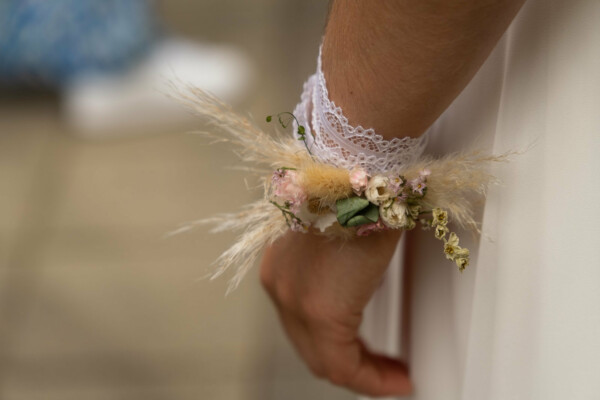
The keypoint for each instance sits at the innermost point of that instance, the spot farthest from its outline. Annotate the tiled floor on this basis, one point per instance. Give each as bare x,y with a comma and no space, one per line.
94,304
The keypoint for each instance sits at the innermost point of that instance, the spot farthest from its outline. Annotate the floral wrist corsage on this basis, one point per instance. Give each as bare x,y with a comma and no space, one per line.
306,195
362,203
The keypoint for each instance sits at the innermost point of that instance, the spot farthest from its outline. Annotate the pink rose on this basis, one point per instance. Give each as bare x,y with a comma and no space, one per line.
359,179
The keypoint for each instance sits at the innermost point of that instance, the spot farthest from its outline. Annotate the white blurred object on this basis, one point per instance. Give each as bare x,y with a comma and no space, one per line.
136,100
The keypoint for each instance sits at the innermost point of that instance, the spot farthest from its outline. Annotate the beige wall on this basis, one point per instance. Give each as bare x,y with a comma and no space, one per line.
93,303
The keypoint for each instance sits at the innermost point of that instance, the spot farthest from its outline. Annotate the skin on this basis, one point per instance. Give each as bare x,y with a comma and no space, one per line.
320,305
394,65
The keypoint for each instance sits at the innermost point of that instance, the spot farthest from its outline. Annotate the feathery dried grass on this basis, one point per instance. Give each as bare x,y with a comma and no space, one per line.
252,144
454,182
325,183
457,181
246,249
260,222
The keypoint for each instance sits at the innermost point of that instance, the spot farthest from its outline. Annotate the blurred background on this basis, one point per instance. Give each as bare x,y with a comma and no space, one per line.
96,166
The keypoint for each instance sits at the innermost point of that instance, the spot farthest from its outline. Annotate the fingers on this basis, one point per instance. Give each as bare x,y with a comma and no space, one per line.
354,367
347,364
320,306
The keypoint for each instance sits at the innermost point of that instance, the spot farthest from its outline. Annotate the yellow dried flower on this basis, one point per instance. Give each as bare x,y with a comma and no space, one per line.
441,231
462,258
414,211
410,224
315,207
462,252
440,217
462,263
451,246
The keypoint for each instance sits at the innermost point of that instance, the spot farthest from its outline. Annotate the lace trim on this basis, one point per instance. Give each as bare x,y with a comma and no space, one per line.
334,141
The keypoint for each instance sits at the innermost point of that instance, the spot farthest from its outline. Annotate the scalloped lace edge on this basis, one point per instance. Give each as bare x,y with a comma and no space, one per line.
334,141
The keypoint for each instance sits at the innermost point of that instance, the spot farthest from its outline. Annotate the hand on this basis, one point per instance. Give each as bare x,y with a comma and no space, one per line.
320,288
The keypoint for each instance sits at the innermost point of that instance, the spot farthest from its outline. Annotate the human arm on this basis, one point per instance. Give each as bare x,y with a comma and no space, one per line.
396,65
396,70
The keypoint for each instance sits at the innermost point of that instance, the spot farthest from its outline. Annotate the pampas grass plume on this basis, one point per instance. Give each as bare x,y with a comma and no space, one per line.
325,183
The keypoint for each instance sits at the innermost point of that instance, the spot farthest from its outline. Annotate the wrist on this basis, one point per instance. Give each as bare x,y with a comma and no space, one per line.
333,139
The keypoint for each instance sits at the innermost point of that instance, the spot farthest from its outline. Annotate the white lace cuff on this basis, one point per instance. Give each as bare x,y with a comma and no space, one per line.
334,141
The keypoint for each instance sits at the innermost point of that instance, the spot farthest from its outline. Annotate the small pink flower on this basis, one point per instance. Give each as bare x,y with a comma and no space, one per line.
294,206
367,229
396,183
298,226
418,185
425,173
287,187
402,197
359,179
278,175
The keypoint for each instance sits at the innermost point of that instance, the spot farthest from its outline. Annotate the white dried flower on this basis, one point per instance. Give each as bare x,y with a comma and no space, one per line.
325,221
441,231
440,217
462,258
451,246
378,191
394,215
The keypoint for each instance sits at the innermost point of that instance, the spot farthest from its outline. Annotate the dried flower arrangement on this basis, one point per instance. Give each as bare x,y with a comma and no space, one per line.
306,195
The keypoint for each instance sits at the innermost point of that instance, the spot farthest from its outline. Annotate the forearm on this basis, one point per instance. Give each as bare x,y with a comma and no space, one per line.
393,66
396,65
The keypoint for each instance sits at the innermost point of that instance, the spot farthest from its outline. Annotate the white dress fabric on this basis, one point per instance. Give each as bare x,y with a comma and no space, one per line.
523,321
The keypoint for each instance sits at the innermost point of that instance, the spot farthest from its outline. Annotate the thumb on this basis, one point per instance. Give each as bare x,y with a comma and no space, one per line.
378,375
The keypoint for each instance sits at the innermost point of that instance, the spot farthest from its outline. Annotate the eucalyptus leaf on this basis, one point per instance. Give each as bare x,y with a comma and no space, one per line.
371,212
347,208
358,220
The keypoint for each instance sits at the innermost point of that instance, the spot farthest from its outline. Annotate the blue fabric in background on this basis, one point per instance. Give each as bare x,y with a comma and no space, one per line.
49,42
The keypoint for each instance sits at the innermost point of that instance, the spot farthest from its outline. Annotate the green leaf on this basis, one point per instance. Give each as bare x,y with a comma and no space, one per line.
367,215
347,208
371,212
358,220
269,118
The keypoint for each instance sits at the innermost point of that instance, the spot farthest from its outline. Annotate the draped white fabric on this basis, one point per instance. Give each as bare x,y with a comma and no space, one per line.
523,321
